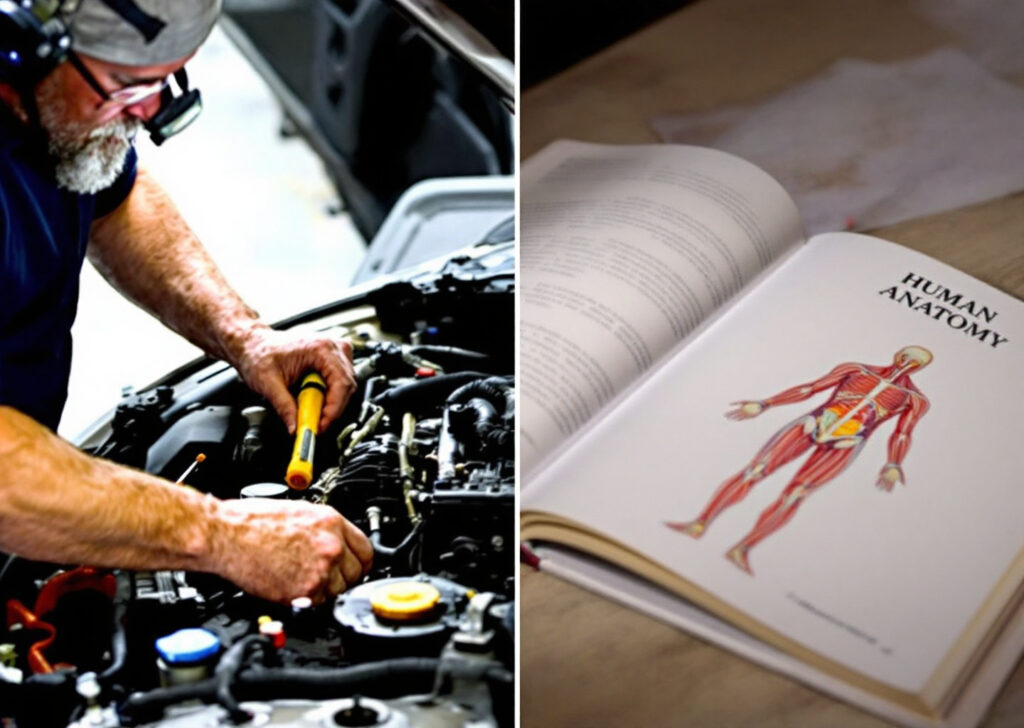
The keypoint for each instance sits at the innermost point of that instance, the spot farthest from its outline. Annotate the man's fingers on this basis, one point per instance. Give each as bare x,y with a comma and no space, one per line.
318,597
282,402
337,395
359,544
336,367
336,582
351,568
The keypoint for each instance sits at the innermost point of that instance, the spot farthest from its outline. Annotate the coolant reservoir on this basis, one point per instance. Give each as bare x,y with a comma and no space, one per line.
399,617
186,656
405,601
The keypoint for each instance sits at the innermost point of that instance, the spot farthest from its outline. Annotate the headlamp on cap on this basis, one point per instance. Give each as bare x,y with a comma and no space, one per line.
176,111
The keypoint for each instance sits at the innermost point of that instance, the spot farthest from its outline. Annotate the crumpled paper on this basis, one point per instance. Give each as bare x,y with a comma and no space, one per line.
869,144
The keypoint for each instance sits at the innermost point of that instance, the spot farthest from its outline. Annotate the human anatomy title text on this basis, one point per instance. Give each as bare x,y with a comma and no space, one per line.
956,310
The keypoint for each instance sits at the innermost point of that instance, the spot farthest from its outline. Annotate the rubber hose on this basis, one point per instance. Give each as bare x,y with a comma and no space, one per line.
382,550
422,393
407,675
486,420
502,439
118,645
482,389
493,390
227,670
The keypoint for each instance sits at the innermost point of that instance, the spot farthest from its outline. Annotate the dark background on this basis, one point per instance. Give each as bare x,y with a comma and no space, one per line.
555,34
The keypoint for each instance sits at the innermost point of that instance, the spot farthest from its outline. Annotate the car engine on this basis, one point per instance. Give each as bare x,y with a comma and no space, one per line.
422,460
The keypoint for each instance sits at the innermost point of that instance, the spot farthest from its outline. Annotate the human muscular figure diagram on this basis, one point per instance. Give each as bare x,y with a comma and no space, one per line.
863,397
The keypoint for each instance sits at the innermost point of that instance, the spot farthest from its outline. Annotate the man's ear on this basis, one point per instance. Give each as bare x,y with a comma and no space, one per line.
12,99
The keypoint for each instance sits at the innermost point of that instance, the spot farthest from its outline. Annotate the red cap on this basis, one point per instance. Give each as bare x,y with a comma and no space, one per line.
424,372
275,631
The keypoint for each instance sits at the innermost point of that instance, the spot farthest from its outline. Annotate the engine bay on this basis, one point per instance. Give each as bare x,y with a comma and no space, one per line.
422,460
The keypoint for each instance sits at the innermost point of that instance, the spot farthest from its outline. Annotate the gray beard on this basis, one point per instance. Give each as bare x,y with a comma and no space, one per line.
87,159
92,164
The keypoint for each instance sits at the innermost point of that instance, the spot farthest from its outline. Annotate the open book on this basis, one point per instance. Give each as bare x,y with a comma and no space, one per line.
806,451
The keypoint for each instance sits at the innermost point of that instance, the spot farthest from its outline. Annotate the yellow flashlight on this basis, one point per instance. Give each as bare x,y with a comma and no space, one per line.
311,404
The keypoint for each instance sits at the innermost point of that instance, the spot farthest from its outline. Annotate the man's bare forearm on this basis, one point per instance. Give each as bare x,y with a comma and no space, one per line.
58,504
147,251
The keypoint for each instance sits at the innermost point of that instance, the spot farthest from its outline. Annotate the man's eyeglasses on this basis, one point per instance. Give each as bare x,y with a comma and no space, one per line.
124,96
175,112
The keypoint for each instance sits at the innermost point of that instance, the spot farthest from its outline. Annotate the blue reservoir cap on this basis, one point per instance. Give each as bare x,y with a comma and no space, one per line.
187,645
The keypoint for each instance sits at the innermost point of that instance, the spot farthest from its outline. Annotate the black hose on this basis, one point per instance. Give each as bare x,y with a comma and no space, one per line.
227,670
389,673
118,645
490,400
485,417
424,393
485,413
382,550
508,385
406,675
486,389
500,439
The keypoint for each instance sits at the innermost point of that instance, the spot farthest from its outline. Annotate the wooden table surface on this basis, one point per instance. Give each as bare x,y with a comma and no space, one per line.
587,661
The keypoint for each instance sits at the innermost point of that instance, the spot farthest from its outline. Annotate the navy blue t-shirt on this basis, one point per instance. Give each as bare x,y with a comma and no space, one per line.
44,231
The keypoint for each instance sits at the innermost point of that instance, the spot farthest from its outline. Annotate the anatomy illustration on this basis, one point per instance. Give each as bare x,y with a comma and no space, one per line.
863,397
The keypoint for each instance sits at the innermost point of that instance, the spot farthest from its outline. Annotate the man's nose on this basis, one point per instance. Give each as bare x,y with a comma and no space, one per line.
145,109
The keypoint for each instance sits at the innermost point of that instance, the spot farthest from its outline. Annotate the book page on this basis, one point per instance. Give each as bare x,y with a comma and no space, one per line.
805,462
625,251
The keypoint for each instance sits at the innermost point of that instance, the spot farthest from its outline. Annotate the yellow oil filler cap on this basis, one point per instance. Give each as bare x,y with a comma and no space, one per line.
405,601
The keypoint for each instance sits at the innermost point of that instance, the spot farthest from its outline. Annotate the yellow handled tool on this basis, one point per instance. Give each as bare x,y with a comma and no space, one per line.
311,403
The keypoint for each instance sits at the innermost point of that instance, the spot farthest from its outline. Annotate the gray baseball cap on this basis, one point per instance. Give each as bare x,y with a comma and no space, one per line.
102,33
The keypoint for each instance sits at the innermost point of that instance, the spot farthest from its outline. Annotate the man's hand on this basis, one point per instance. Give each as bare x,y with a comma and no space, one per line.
745,410
270,361
280,550
889,476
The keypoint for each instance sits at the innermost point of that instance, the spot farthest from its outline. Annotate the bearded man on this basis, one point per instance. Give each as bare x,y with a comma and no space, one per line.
70,186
